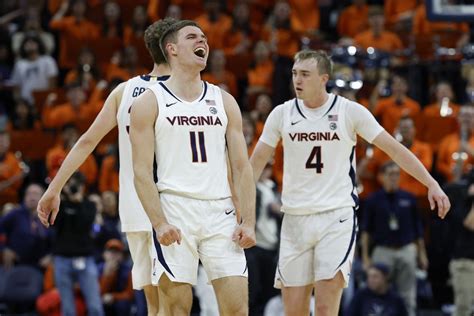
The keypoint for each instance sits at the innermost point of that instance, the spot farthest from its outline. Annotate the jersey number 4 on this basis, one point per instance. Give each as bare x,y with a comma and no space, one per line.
198,141
314,160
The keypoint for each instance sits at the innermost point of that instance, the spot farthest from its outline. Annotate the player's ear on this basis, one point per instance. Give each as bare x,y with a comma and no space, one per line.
325,78
171,48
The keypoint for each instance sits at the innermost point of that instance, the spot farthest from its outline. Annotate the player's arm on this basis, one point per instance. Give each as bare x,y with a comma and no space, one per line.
365,125
408,162
260,157
104,122
265,149
142,137
242,176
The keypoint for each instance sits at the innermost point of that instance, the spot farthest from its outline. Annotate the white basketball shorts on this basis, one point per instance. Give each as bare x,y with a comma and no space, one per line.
315,247
206,234
144,257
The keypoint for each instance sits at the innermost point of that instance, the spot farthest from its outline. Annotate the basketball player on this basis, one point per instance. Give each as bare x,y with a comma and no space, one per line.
319,197
192,127
134,221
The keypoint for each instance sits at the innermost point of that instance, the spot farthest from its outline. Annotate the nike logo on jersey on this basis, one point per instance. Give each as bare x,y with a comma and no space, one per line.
343,220
229,211
170,104
294,123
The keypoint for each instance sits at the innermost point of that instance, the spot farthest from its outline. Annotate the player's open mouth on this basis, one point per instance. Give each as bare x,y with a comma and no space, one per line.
200,52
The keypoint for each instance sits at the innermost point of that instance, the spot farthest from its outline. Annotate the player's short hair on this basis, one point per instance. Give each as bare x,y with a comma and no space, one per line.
153,34
171,34
325,64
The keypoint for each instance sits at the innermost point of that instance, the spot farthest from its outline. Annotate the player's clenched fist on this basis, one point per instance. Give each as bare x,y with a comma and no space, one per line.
244,236
167,234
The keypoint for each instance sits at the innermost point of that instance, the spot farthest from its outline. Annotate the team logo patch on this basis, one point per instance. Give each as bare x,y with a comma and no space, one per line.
332,126
213,110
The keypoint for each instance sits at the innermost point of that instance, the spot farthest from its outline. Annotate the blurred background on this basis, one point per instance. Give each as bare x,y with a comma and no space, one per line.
410,62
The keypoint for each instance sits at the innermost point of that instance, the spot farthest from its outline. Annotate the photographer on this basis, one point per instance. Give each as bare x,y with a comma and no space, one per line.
73,249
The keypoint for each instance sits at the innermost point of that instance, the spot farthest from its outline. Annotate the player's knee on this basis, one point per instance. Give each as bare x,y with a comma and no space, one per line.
322,308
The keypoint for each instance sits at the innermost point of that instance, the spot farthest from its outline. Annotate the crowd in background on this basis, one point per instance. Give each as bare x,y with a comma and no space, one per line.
60,59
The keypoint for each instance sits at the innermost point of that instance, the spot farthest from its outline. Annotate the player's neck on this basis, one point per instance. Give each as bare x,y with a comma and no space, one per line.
160,70
186,85
317,101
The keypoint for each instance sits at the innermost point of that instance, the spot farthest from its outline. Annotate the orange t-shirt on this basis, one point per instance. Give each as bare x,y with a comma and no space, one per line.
422,151
287,43
445,162
228,79
386,41
353,20
60,115
73,33
10,167
261,75
55,157
393,9
434,127
215,31
116,72
389,112
304,15
109,177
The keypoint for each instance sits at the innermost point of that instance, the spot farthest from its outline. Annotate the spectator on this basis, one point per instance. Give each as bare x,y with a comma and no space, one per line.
112,26
34,70
461,220
377,298
55,156
86,72
109,172
304,16
24,241
126,67
75,111
260,74
174,12
32,26
439,118
248,128
73,249
134,32
218,74
456,150
214,23
399,14
377,37
263,107
73,29
24,117
115,277
11,175
406,135
392,224
262,259
389,110
109,226
243,33
353,19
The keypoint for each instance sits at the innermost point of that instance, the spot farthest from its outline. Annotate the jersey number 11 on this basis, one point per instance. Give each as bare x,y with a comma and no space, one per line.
194,146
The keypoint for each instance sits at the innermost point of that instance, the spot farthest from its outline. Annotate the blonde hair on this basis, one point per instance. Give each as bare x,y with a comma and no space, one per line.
325,64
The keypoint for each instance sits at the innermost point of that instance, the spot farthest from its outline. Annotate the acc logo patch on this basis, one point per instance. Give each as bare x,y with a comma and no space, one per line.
332,126
213,110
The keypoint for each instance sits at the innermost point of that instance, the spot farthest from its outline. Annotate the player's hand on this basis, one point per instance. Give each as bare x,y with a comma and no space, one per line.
438,198
48,208
167,234
245,236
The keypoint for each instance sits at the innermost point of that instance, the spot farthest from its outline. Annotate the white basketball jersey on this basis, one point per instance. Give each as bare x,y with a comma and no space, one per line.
132,214
319,160
190,146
